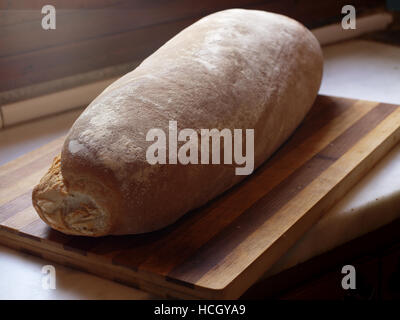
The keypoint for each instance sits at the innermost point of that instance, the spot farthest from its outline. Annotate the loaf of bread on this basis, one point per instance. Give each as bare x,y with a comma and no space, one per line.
234,69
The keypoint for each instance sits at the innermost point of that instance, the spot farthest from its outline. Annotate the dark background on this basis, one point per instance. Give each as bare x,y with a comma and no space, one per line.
95,34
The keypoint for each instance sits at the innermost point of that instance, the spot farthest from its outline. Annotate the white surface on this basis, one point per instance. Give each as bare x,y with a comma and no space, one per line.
21,277
362,69
356,69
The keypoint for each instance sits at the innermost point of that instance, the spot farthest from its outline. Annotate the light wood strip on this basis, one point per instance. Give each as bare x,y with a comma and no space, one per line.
20,187
23,173
10,167
21,219
16,205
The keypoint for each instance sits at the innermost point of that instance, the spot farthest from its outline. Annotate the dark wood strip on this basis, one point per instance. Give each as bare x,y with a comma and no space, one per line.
180,282
215,250
132,283
75,249
47,234
31,253
324,111
40,230
131,251
81,244
16,205
28,236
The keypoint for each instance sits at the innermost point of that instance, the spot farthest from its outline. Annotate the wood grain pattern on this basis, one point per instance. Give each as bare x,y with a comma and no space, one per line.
220,250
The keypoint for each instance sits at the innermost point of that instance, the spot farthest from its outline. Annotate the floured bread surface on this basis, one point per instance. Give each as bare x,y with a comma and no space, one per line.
234,69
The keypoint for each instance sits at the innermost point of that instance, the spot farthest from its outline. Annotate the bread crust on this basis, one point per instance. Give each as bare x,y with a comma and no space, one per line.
235,69
80,206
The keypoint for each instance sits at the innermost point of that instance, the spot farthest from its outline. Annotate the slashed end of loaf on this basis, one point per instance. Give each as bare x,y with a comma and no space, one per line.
66,209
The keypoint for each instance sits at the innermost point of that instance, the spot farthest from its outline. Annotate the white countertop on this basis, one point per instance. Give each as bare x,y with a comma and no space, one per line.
354,69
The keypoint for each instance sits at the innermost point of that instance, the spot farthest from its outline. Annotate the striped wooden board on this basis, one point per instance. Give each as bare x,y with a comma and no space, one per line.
221,249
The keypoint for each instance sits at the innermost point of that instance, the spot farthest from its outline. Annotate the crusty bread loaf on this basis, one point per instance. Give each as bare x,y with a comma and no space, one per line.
235,69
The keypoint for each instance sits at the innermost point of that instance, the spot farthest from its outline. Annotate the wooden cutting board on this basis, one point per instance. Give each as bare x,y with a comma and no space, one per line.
221,249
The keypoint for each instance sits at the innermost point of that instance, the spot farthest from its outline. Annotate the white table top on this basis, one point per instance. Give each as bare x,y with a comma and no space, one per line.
354,69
